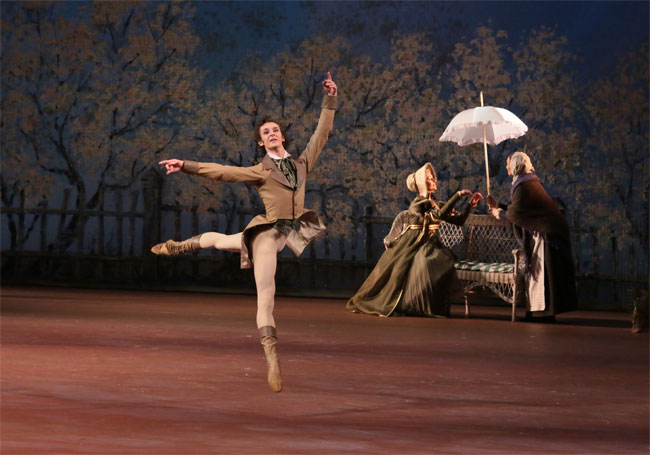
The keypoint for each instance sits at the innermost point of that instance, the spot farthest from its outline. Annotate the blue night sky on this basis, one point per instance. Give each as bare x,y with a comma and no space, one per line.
598,32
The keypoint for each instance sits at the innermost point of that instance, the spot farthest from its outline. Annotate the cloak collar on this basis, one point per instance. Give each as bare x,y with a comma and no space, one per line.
530,177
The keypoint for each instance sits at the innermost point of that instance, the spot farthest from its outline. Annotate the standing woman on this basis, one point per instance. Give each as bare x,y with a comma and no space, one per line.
414,275
544,233
280,181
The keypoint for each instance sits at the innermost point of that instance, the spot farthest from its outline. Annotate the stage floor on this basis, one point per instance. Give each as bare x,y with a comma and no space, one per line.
121,372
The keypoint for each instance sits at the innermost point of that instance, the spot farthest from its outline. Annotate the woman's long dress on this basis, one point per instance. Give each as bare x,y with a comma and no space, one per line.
414,275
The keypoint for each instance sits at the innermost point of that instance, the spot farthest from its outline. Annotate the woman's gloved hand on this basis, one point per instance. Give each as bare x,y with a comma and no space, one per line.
476,197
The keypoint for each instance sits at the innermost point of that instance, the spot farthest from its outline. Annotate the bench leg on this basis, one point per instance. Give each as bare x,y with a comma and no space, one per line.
518,295
466,306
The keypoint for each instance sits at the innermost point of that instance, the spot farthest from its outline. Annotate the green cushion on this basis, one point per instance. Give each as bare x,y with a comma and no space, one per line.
502,267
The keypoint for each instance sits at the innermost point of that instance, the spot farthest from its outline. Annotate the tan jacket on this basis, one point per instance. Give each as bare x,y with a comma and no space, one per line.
281,201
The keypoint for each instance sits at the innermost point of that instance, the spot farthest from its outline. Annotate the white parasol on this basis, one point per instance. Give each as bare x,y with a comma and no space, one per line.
489,124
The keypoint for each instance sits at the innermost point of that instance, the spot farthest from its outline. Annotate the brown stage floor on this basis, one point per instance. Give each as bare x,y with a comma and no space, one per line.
120,372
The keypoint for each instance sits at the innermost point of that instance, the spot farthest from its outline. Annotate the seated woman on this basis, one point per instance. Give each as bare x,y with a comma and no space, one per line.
414,275
541,228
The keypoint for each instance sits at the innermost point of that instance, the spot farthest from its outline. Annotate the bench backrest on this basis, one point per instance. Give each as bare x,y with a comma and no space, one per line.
483,238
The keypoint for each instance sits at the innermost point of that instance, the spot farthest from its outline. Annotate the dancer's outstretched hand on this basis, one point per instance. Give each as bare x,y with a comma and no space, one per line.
329,85
172,165
465,192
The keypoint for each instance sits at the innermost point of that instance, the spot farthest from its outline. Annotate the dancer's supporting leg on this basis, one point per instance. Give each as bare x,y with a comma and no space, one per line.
266,246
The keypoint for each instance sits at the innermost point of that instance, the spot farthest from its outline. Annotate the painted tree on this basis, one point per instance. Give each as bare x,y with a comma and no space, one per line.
390,118
393,109
534,80
616,156
221,131
547,95
286,87
480,64
92,97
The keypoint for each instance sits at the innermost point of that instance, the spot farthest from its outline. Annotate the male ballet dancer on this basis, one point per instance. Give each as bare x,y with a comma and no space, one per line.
280,181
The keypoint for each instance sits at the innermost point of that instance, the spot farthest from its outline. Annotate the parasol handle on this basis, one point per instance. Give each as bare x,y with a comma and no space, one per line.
487,171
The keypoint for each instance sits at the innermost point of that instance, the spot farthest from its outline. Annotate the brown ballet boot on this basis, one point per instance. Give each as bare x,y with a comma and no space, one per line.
173,248
268,338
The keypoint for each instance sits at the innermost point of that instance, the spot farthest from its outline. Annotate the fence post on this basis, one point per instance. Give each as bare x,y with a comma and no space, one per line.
43,233
20,234
44,259
151,193
369,237
80,233
135,195
62,218
617,283
100,272
119,235
100,227
152,189
195,231
576,239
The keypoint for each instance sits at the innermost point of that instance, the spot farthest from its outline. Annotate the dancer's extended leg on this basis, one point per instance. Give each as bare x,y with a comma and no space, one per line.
220,241
266,246
206,240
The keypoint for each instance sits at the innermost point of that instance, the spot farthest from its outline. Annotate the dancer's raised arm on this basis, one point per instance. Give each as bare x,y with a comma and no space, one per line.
325,124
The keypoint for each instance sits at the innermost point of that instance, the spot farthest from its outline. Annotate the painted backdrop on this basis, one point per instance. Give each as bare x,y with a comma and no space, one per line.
94,94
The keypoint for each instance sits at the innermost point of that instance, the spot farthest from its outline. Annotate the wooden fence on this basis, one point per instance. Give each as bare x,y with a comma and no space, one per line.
109,246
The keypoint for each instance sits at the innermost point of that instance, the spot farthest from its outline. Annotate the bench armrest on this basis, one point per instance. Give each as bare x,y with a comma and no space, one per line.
520,261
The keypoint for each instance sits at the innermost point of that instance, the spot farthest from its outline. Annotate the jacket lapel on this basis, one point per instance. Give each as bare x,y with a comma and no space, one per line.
301,170
276,174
